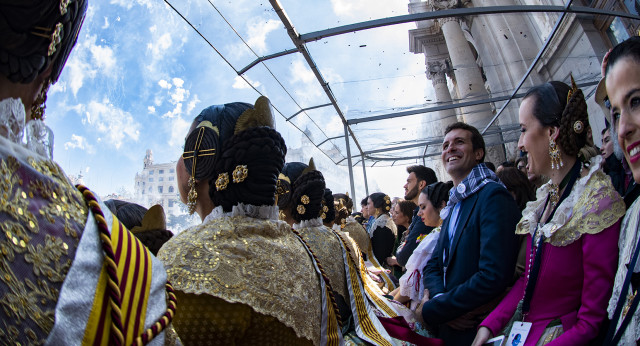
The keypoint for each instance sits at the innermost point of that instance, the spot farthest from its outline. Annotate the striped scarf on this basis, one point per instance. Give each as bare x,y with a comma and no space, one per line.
480,176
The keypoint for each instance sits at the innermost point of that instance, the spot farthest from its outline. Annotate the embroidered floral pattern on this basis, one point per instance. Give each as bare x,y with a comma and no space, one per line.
249,261
41,218
592,206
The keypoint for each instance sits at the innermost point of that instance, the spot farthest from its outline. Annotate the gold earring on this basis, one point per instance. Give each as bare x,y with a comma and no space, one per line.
192,196
554,152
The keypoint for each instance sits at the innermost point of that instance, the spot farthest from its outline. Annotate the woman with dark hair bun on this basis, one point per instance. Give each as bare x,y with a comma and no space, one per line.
67,262
328,213
242,276
301,200
571,228
383,235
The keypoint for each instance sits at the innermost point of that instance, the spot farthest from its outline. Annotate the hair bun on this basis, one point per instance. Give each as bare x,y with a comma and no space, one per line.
201,147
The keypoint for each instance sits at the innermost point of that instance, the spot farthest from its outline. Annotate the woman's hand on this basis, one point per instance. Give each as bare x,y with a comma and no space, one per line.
482,336
425,299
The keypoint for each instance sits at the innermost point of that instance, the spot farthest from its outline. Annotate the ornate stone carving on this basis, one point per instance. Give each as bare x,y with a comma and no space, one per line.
436,5
437,69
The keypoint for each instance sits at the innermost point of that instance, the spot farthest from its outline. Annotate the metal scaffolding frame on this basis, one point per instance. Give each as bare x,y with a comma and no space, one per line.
300,40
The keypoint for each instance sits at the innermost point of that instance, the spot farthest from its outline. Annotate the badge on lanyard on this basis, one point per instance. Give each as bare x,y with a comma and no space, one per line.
518,333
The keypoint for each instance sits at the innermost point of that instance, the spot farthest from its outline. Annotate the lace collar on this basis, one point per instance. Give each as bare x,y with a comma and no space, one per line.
38,137
266,212
590,207
308,223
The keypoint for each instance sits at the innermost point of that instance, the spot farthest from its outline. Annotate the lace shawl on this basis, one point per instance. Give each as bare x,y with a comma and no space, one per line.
628,239
592,206
38,138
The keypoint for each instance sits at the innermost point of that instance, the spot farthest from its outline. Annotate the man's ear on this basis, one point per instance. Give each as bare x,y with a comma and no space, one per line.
479,154
421,185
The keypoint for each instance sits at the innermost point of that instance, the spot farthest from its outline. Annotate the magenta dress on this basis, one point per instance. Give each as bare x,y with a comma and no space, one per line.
578,263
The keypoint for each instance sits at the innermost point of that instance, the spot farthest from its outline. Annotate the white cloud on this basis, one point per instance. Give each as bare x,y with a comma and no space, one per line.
257,31
239,83
78,142
175,112
117,125
86,170
179,95
368,9
106,23
178,82
151,109
192,104
301,73
164,84
87,60
153,29
103,57
179,128
128,4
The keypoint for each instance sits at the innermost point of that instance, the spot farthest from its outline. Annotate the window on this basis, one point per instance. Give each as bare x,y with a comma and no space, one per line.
171,202
151,180
161,171
143,192
159,189
151,172
170,189
170,178
161,179
172,170
149,189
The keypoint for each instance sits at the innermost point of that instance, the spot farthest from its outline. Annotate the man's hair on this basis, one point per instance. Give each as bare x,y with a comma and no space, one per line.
423,173
364,201
476,138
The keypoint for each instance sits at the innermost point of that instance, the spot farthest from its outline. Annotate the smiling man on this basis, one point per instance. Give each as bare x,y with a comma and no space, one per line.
474,260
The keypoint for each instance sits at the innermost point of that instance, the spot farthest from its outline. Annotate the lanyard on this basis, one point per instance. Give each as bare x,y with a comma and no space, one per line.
535,267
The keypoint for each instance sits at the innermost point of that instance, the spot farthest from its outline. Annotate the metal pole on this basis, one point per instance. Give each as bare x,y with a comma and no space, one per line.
364,171
346,138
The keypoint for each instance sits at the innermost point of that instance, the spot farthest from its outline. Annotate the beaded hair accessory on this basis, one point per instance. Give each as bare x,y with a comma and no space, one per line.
238,175
194,154
578,126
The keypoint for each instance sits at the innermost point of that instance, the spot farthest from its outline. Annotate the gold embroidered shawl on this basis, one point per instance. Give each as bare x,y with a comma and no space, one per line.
592,206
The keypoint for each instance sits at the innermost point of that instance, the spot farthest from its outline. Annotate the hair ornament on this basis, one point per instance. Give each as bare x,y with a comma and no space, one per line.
259,115
39,104
240,173
311,167
192,197
222,181
574,88
578,127
325,208
153,219
301,209
208,124
554,153
63,6
305,200
281,215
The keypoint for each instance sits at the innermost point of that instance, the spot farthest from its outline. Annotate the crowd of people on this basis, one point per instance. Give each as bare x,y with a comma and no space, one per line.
542,251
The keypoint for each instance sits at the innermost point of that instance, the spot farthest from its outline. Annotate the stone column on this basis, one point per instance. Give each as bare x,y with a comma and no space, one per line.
467,73
437,71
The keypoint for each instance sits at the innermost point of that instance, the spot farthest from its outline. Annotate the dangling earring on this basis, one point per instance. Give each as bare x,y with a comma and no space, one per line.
38,106
192,196
554,152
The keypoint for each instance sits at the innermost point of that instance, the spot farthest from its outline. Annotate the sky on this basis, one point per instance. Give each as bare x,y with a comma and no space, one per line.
139,74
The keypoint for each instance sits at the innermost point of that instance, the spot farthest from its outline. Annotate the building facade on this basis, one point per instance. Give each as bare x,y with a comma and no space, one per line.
156,184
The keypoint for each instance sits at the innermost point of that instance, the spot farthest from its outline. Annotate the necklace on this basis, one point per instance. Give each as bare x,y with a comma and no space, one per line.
554,190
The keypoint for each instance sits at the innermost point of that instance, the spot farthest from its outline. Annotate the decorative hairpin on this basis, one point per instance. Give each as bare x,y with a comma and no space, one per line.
240,173
301,209
578,127
574,88
55,37
304,199
222,181
63,6
194,154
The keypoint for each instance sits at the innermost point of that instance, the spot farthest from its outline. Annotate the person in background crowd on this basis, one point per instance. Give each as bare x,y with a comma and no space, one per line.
491,166
402,214
433,199
504,165
149,226
242,275
62,280
382,232
367,215
419,178
328,213
475,256
571,228
521,164
621,69
613,164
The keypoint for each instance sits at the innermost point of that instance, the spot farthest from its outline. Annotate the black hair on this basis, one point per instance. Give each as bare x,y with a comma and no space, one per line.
437,193
629,48
381,201
423,173
518,183
406,208
130,214
154,239
477,141
26,30
343,205
490,165
364,201
552,107
306,193
328,212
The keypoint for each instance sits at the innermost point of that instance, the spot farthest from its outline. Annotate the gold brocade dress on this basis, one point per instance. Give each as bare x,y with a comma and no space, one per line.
244,278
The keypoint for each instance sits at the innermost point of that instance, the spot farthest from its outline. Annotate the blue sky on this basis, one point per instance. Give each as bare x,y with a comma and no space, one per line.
139,74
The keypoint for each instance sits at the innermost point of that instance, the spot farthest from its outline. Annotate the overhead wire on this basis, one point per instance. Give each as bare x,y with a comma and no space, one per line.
245,79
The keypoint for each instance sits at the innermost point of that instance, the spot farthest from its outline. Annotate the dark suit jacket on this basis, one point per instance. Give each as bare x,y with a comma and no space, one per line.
482,258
